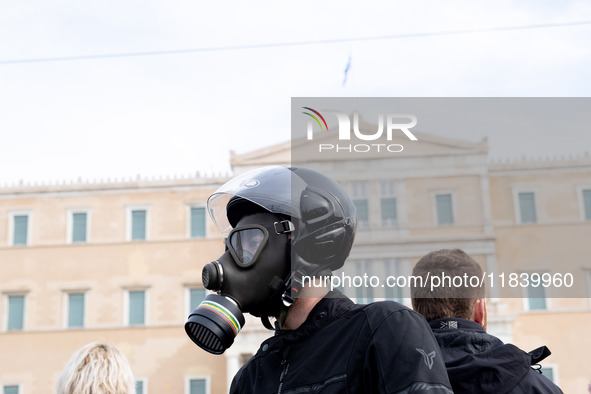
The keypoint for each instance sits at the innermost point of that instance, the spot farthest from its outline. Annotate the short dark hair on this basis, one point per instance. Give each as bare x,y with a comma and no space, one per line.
446,300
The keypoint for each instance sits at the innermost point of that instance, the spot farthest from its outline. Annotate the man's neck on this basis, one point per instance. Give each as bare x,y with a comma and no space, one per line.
302,306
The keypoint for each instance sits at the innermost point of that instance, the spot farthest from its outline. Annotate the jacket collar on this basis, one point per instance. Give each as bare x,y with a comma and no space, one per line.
327,309
447,324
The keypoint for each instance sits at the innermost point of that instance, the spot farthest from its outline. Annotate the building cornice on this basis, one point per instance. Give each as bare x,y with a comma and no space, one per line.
122,185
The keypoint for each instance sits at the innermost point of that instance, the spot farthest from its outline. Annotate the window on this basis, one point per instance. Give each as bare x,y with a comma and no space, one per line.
359,197
388,209
444,209
11,390
337,279
141,386
197,222
75,310
586,197
244,357
363,291
536,298
550,371
527,207
20,228
137,307
77,226
16,313
547,372
197,386
362,213
138,224
388,204
195,298
393,268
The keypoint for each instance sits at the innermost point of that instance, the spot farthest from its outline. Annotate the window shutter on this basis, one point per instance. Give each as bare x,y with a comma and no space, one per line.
197,295
16,312
527,207
197,222
21,224
388,207
362,212
79,227
197,386
139,387
10,389
76,310
138,225
137,306
392,268
537,297
547,372
587,203
444,209
364,294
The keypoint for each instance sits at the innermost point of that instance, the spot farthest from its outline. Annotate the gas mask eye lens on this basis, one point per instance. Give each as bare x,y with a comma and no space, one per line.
246,243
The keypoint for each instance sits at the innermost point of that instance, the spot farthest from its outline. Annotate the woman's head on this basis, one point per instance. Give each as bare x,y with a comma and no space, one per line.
97,369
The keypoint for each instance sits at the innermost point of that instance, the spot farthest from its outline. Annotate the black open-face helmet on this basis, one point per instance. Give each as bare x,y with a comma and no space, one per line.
317,211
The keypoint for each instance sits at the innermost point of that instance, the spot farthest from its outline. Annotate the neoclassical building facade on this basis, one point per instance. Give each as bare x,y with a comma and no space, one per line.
120,261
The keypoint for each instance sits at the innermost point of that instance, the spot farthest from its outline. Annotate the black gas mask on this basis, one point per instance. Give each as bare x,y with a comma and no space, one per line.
248,278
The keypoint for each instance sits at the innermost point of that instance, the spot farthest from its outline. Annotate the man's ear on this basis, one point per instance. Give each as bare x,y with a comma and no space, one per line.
479,312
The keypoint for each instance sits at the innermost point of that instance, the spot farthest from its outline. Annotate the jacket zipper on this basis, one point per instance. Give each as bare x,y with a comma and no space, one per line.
283,373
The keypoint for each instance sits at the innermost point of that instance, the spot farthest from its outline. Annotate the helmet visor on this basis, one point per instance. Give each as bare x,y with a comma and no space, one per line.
274,188
246,243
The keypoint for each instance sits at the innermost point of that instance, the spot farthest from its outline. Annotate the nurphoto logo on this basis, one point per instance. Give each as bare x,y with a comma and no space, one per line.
394,123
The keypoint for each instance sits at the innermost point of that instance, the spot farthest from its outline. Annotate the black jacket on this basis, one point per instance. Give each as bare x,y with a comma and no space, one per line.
478,362
342,347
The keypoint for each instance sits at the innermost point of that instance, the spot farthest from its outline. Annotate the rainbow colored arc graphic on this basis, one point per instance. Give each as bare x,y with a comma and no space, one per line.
315,118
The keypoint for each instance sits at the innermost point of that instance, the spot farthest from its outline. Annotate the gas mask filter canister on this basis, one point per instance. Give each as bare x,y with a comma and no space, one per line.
215,323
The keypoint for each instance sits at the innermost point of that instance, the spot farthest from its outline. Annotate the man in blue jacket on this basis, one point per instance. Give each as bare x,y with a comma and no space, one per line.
476,361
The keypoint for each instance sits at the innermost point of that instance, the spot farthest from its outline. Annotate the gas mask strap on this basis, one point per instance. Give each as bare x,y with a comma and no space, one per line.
282,317
280,288
267,323
294,286
284,227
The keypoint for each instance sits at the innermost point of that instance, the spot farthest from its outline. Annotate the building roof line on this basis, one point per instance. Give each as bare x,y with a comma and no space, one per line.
82,184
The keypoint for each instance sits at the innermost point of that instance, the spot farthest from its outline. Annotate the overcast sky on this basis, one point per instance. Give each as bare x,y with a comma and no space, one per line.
178,112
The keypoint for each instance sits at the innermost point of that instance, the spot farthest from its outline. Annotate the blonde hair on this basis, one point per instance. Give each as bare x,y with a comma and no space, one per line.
97,369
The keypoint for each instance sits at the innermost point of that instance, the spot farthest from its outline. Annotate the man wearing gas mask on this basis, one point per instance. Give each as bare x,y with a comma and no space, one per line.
283,224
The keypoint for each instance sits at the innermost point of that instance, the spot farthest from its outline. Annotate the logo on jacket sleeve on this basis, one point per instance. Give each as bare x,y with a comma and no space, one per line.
427,358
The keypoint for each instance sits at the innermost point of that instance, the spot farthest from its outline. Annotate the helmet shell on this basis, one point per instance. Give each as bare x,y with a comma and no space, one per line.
323,214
